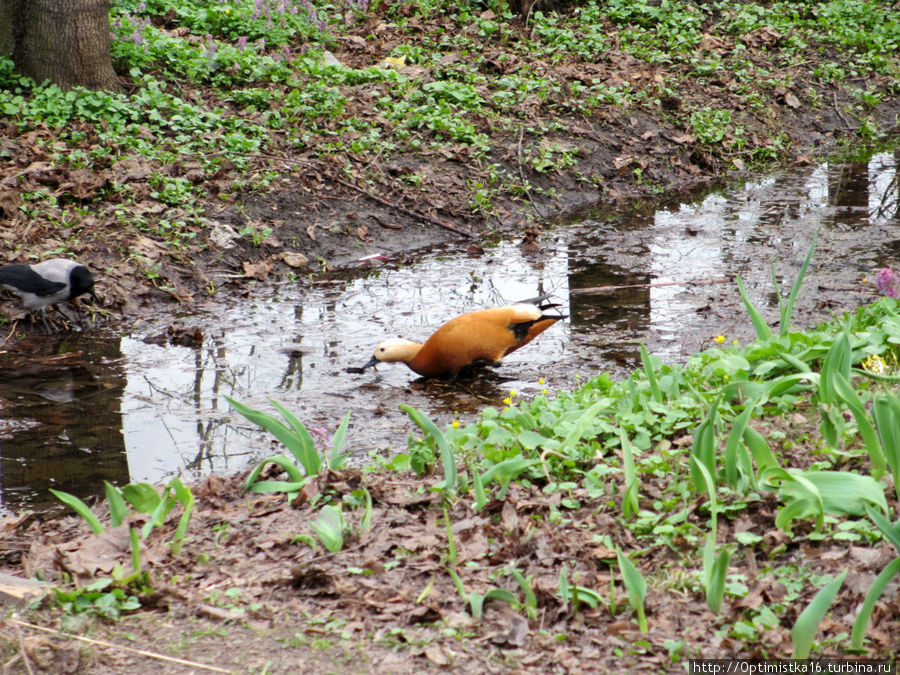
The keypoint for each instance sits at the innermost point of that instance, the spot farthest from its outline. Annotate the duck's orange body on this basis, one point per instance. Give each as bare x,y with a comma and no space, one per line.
477,338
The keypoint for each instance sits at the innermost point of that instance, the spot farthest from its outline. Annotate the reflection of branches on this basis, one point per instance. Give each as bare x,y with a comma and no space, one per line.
204,447
159,390
889,198
294,367
168,431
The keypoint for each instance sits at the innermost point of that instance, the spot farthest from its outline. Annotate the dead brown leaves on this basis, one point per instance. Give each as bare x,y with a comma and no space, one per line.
392,582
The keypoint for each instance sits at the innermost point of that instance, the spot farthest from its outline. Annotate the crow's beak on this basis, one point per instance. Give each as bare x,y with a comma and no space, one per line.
369,364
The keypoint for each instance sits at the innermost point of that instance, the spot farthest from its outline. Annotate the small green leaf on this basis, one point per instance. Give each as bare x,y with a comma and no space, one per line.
184,495
865,611
329,528
301,445
448,459
736,459
650,371
478,487
636,587
844,390
763,332
703,449
787,308
118,509
365,522
80,508
142,497
135,549
283,461
890,531
715,589
337,460
807,625
451,540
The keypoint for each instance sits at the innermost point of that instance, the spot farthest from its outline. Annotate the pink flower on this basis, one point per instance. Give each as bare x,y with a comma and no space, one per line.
888,282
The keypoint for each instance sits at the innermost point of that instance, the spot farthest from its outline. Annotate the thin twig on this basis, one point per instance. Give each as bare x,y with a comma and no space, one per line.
25,658
401,209
112,645
837,109
604,289
12,330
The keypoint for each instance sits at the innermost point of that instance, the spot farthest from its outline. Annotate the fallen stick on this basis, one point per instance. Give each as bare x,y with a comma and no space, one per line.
402,209
381,200
604,289
112,645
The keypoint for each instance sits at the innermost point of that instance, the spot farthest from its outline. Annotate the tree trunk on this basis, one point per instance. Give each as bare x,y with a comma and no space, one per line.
64,41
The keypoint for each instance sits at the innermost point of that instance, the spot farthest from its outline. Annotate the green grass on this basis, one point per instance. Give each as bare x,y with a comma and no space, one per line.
253,82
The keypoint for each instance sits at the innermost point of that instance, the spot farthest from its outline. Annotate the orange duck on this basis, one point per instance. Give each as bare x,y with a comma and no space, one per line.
473,339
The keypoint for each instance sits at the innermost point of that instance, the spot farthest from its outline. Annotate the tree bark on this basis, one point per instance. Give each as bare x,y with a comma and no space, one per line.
64,41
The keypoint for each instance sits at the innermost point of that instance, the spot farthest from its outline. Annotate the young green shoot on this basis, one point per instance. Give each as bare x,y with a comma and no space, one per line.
636,587
807,625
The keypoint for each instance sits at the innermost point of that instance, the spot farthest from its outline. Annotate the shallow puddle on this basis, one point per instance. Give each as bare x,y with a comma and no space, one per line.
139,408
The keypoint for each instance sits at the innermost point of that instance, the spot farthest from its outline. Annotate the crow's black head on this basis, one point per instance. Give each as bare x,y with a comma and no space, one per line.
81,281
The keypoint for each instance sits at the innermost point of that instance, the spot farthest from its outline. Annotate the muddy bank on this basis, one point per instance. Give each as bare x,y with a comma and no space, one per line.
301,210
621,163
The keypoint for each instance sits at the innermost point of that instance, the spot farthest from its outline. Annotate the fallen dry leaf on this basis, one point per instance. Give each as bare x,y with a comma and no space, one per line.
294,259
437,655
257,270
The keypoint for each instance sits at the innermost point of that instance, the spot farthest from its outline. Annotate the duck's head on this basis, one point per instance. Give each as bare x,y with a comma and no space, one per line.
391,351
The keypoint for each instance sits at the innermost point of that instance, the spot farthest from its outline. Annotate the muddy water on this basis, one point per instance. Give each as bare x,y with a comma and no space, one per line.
138,407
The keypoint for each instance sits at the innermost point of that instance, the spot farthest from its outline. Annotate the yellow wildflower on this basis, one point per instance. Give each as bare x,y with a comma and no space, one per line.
875,364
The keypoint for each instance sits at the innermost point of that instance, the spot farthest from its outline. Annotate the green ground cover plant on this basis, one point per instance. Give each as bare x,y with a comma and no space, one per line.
664,486
235,88
715,431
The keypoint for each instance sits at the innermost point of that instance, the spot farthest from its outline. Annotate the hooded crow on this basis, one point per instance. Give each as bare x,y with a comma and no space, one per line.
47,283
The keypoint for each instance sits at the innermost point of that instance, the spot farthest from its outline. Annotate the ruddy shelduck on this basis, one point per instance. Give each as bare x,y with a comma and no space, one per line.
473,339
